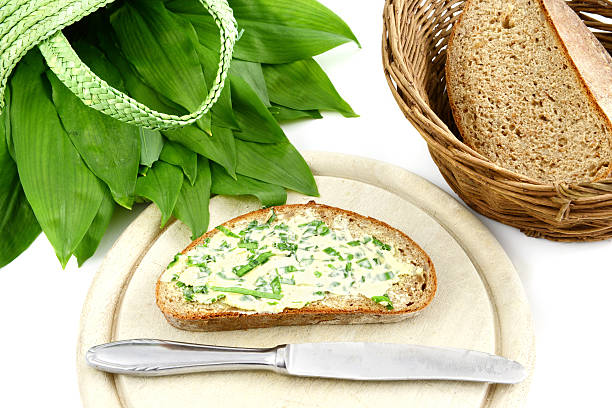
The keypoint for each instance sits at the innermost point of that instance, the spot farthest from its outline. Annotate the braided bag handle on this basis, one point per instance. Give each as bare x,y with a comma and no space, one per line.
98,94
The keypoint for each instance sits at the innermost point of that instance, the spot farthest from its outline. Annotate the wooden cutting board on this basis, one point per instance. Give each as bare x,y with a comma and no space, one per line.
480,304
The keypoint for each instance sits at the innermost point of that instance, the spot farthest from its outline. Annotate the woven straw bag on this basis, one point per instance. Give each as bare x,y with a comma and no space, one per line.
25,24
414,53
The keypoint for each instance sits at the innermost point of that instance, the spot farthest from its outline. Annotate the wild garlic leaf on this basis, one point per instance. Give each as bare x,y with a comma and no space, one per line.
64,194
284,114
219,147
275,31
268,194
252,73
179,155
88,245
6,122
278,163
192,203
136,88
303,85
256,123
110,148
151,145
222,112
161,46
18,225
162,185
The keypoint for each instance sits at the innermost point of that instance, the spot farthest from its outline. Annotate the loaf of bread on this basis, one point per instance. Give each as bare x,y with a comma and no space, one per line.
530,88
359,270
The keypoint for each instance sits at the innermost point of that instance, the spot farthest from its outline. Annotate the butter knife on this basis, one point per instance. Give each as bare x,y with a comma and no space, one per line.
350,361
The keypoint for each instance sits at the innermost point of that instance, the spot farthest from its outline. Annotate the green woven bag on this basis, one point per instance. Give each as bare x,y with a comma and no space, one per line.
27,23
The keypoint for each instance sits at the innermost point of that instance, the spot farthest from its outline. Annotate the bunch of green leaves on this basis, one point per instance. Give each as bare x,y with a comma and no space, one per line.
64,167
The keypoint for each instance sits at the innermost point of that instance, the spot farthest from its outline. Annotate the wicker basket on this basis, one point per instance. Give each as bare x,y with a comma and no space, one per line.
415,36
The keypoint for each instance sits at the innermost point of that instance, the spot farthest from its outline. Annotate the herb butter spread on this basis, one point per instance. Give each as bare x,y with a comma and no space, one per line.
267,267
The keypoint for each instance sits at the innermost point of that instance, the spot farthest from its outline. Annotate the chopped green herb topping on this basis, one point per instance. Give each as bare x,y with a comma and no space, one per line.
380,244
319,227
288,281
227,231
188,293
331,251
174,261
200,289
253,263
247,244
354,243
317,274
244,291
286,246
276,285
383,300
386,276
271,219
224,276
364,263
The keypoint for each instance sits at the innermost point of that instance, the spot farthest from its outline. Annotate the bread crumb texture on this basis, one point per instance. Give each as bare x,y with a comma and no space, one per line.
517,98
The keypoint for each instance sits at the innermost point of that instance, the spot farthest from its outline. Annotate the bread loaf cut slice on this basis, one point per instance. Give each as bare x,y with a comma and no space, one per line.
409,294
530,88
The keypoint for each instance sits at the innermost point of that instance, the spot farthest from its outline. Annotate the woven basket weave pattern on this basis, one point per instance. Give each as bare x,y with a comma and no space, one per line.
415,37
25,24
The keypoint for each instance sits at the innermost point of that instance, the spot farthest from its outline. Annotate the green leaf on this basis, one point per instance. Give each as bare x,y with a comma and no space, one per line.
161,46
278,163
192,204
252,73
284,114
161,185
88,245
64,194
179,155
222,111
140,91
136,88
110,148
18,225
99,63
275,31
268,194
151,145
6,122
256,123
219,147
303,85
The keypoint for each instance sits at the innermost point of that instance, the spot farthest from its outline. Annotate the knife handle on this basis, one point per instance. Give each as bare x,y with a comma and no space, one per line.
145,357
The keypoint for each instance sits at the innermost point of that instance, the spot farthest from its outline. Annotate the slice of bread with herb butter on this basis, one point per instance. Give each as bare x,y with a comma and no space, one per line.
296,265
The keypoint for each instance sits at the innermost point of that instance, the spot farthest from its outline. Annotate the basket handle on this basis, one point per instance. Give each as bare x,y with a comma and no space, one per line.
98,94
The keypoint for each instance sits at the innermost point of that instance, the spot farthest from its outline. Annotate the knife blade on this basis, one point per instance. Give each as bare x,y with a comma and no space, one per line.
345,360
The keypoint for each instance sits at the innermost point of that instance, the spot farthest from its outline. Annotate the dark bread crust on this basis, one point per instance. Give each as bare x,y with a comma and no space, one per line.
202,318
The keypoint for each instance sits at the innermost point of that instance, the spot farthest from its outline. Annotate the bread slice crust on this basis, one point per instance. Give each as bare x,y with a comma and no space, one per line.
556,13
334,309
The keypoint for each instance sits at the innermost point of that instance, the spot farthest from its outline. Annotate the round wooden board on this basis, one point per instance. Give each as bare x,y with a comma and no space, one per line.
480,304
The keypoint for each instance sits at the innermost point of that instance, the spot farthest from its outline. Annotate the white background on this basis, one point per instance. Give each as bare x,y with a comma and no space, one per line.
569,286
